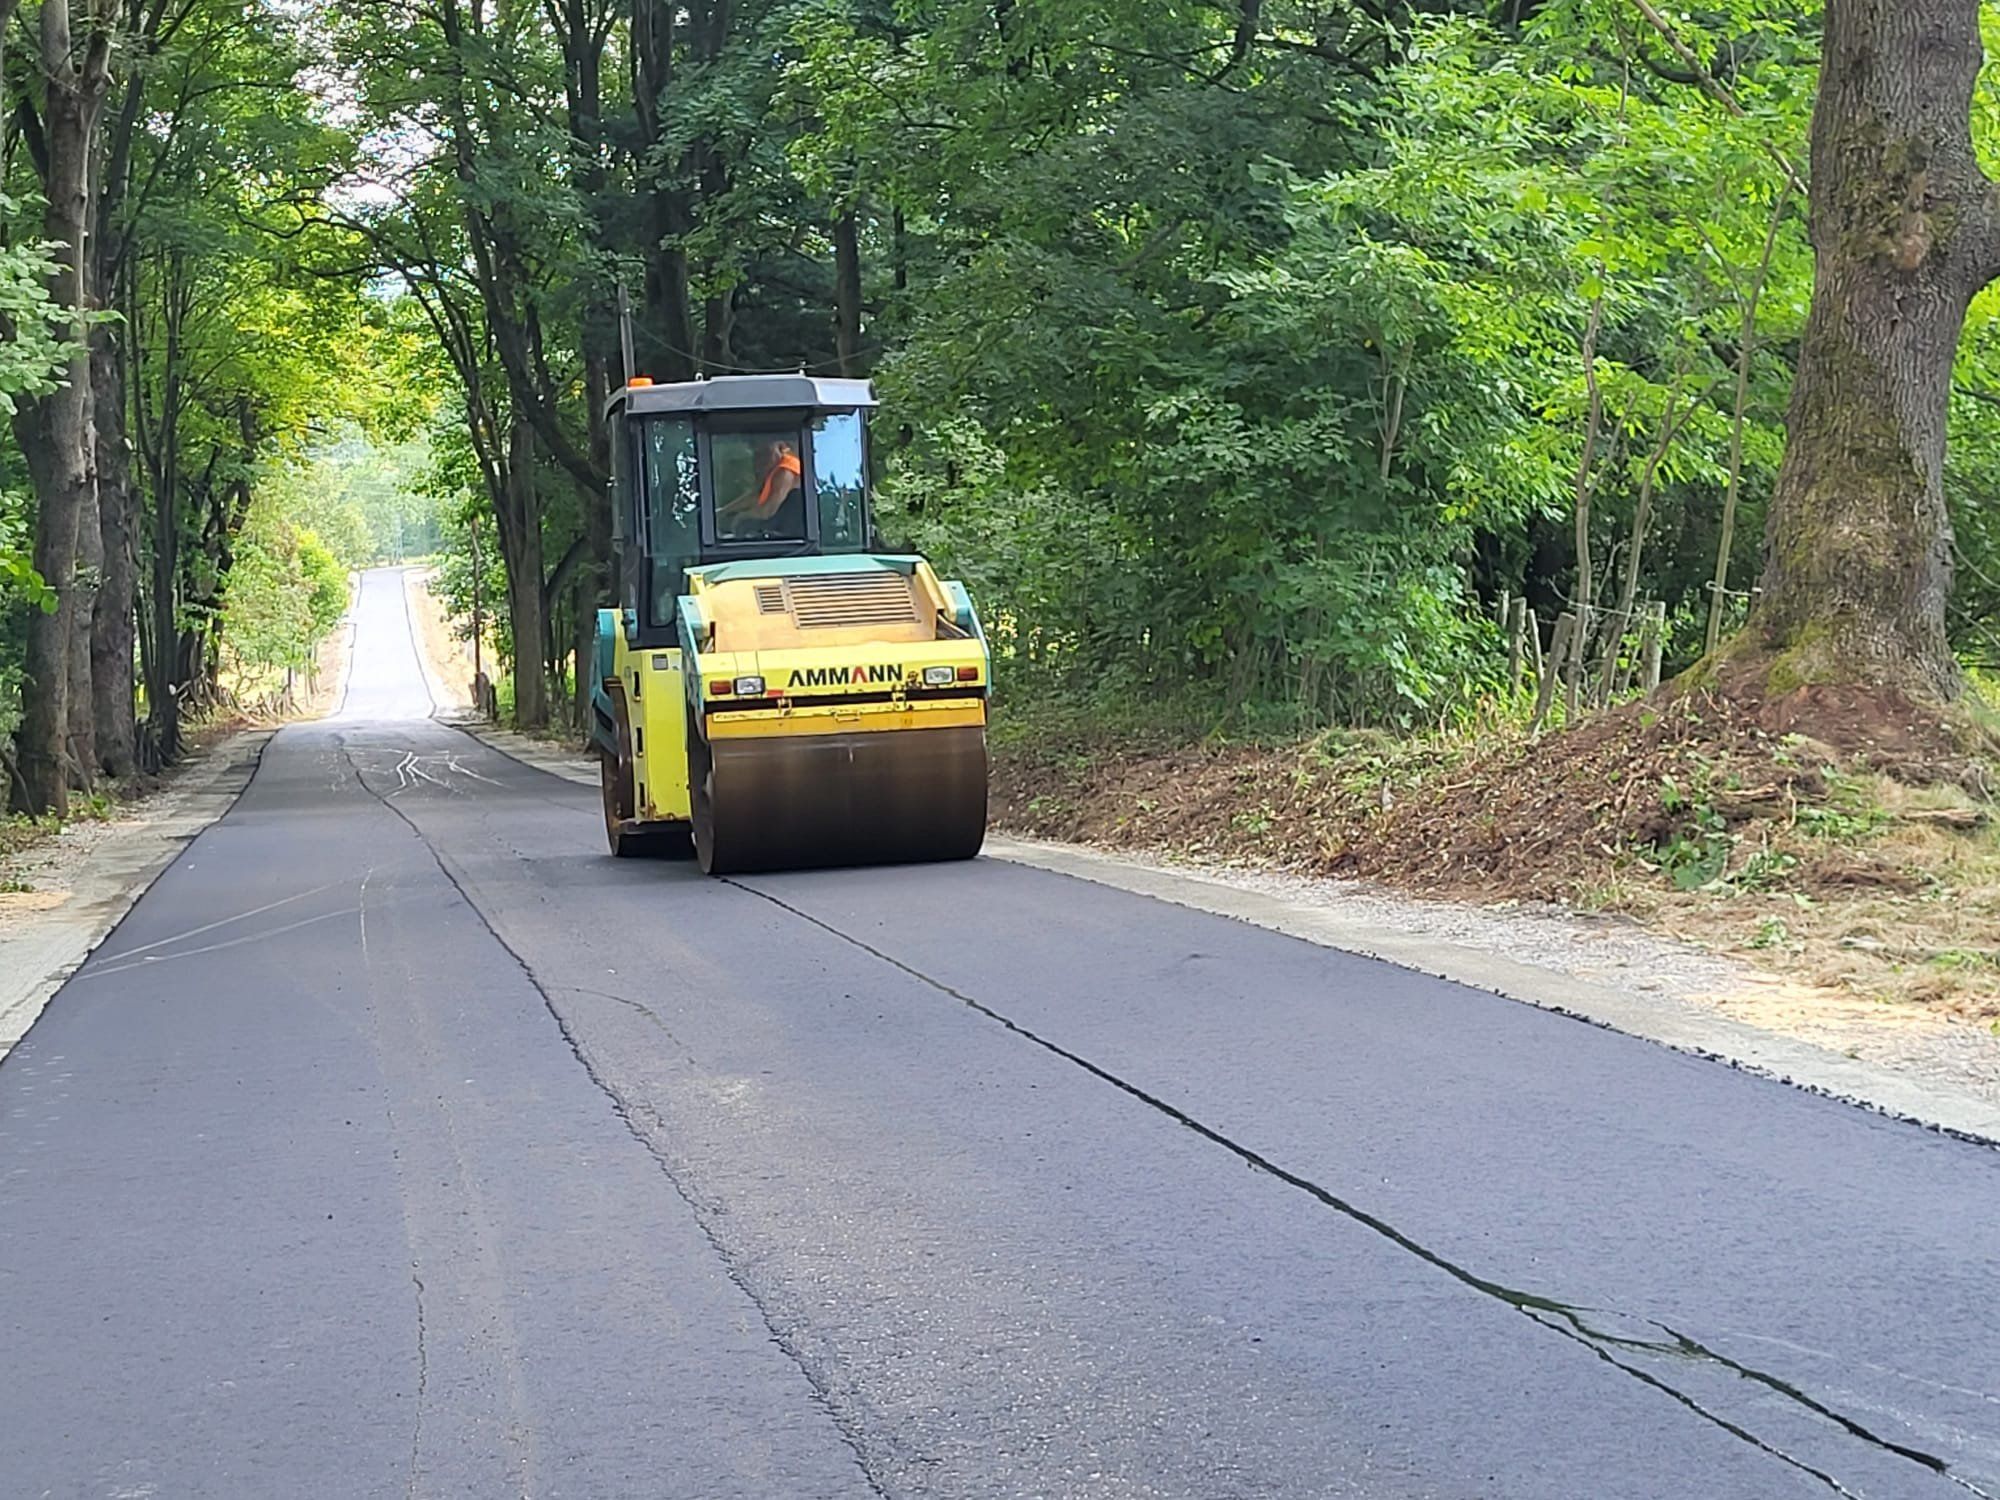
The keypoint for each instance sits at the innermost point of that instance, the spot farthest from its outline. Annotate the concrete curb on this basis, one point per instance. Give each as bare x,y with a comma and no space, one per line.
113,876
1669,1023
569,764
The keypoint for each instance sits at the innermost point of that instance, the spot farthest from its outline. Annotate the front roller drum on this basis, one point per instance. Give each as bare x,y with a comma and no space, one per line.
789,802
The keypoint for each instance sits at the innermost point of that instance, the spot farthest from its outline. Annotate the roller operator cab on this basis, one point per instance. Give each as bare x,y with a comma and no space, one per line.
772,691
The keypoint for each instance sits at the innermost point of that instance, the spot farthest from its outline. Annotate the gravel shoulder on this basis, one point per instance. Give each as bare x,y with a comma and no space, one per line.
65,894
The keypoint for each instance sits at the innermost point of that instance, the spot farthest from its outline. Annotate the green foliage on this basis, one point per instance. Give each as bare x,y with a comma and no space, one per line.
287,591
1849,814
366,500
1233,365
1771,933
1248,420
1697,852
1235,356
34,351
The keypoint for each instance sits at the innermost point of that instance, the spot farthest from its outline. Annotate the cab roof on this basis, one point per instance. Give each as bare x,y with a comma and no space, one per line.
747,393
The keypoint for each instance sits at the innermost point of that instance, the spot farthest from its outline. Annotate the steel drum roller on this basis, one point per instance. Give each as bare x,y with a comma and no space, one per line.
796,801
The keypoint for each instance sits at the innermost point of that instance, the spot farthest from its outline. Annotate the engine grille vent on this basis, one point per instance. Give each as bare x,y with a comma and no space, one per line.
832,599
771,598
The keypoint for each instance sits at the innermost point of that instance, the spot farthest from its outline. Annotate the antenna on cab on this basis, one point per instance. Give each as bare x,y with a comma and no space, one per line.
625,332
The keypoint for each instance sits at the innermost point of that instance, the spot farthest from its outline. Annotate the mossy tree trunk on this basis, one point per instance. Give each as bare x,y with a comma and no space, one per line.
1905,230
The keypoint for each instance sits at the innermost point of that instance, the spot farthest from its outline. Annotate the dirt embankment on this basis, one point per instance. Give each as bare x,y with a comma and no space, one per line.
1845,839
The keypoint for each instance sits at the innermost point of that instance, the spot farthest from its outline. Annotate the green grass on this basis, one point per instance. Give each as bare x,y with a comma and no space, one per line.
18,831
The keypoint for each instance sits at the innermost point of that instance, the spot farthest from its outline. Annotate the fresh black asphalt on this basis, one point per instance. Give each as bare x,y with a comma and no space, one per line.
402,1143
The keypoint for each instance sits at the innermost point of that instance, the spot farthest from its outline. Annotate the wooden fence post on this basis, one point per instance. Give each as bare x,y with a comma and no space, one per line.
1572,676
1552,669
1517,630
1655,642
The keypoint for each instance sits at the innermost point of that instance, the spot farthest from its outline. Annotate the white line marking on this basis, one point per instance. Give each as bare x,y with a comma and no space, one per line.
248,937
255,911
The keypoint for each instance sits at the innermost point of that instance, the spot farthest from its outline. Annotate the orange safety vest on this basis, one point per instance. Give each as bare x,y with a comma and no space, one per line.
788,463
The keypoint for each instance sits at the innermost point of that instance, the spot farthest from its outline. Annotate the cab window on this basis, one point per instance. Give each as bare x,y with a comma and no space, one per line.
840,478
671,517
759,483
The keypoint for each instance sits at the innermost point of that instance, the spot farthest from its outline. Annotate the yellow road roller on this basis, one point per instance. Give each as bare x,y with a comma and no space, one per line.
774,691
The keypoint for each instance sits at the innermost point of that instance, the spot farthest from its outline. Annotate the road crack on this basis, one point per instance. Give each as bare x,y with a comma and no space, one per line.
1567,1319
423,1387
818,1387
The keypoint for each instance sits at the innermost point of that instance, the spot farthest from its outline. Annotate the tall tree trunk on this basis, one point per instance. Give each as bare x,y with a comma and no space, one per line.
55,431
584,49
594,581
1642,514
583,649
1586,487
1905,230
520,526
163,683
111,637
113,625
51,444
717,325
80,730
847,292
719,309
531,683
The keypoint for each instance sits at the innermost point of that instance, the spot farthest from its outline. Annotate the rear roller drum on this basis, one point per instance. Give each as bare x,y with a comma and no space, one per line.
798,801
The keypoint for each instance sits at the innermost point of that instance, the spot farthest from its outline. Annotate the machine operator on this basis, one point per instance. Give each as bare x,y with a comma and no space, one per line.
779,475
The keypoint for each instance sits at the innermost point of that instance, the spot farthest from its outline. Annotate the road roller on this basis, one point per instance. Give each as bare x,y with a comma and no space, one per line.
773,690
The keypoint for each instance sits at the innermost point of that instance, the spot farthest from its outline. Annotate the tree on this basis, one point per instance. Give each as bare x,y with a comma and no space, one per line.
1906,230
33,358
55,431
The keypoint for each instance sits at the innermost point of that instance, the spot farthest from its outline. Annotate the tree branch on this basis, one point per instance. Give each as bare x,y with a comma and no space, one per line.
559,575
1714,88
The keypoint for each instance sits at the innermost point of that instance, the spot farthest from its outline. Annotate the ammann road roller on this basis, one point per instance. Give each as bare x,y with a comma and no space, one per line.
773,691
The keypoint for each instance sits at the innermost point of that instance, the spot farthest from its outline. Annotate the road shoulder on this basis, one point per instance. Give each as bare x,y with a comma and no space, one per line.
66,895
1357,920
1667,993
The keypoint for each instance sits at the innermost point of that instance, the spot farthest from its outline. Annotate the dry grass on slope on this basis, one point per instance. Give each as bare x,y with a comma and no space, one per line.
1844,837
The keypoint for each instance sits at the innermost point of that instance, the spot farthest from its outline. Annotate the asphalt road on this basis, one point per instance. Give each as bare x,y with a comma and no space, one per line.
401,1143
